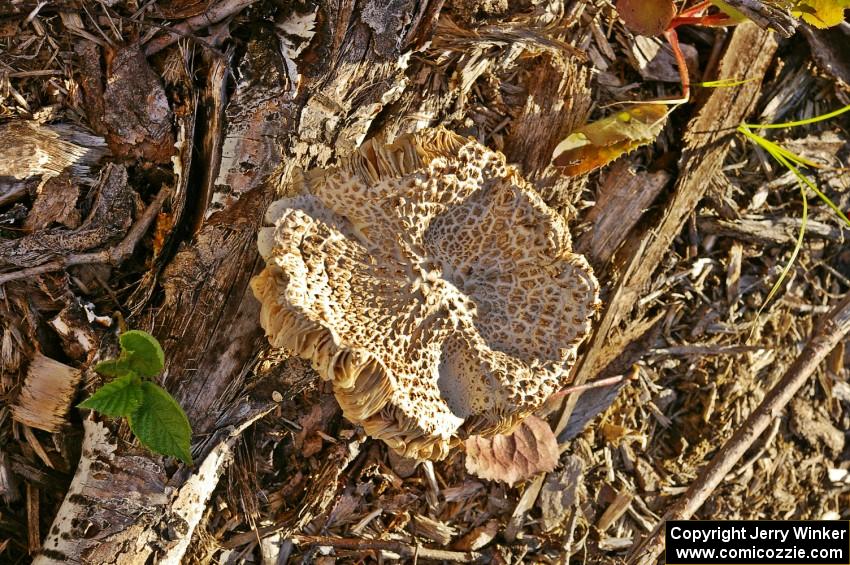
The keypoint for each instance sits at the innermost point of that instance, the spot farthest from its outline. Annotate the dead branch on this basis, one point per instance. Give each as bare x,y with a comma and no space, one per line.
831,330
767,16
213,15
398,547
113,256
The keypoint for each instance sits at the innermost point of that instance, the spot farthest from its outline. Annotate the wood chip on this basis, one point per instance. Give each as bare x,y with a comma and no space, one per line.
560,493
434,530
48,390
614,510
478,537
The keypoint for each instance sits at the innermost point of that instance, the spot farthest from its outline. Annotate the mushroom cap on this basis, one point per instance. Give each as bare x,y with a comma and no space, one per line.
430,283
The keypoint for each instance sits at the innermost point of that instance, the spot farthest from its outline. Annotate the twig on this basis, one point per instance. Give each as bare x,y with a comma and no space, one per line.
212,15
398,547
766,16
114,256
831,330
610,381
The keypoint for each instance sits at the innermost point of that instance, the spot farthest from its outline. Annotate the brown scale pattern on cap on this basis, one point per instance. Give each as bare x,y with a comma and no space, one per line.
431,285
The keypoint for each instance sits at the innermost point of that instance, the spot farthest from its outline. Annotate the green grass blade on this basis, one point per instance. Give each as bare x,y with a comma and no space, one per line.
798,245
768,145
785,158
724,82
807,121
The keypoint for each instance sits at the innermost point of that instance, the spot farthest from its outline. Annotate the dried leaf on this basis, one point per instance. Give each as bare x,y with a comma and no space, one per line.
530,449
646,17
596,144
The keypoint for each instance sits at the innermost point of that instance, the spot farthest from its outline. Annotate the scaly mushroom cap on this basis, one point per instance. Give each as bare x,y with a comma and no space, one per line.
431,285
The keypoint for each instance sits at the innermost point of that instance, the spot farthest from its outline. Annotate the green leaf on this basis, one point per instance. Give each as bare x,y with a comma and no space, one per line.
112,367
160,423
117,398
142,352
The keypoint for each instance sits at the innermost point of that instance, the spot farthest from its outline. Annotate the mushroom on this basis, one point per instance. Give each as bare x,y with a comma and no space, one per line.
431,285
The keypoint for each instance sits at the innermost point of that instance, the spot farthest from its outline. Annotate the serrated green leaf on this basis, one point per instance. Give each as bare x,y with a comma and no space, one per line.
142,353
112,367
117,398
161,425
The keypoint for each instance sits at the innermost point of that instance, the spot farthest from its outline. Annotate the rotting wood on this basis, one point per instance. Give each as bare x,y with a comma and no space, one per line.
748,54
109,219
621,199
212,15
325,108
33,518
31,150
558,101
830,331
763,230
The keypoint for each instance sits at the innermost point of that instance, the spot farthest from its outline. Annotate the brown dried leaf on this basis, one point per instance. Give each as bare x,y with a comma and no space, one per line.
530,449
646,17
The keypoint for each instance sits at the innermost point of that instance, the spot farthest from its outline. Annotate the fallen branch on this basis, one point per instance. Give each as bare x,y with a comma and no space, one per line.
829,332
400,548
767,16
113,256
213,15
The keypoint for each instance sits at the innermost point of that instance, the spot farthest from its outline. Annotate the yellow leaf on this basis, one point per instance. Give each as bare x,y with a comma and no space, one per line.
596,144
729,10
822,13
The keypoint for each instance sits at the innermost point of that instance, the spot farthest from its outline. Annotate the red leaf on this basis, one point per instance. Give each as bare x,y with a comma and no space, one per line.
646,17
530,449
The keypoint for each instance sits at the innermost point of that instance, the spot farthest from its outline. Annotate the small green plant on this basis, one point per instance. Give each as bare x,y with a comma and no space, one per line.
154,416
793,163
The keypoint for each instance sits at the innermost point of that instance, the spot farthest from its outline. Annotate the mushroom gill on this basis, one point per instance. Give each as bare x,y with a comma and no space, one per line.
431,285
